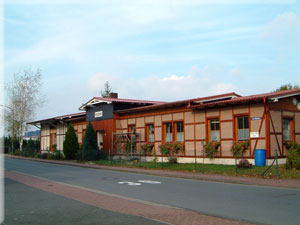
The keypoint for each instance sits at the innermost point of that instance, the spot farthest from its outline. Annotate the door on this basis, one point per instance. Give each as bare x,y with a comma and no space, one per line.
100,139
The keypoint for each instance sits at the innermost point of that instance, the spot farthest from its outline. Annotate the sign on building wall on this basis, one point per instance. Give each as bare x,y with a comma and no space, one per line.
98,114
254,134
255,118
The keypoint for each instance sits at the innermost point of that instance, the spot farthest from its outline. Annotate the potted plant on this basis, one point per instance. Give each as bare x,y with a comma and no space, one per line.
147,148
171,150
239,148
211,148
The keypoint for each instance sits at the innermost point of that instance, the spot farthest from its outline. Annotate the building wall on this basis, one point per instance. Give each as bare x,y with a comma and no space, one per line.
284,108
59,133
105,109
196,127
107,127
45,137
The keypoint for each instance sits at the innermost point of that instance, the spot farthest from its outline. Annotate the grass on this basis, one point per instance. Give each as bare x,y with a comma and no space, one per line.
229,170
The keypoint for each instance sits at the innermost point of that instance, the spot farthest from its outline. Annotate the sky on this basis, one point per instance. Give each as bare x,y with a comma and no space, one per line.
163,50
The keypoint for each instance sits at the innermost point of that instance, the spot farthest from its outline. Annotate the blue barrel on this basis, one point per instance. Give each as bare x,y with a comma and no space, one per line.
260,157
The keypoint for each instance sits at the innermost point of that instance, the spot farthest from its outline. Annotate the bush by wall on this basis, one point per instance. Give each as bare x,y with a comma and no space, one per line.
211,149
70,145
293,156
90,147
171,150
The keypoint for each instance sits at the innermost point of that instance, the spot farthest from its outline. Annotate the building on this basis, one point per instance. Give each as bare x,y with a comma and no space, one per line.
267,121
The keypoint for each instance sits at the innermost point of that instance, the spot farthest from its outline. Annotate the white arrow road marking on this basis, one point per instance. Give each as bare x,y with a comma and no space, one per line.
149,181
129,183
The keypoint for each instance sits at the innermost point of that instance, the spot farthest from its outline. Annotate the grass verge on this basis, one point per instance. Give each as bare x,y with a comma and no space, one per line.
229,170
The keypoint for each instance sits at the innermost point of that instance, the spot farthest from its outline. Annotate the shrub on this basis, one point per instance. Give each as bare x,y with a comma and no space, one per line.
211,148
293,156
244,163
57,154
239,148
147,148
171,150
44,155
90,147
70,145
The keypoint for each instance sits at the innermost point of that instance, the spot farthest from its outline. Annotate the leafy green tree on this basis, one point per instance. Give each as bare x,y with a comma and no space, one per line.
288,86
70,146
107,90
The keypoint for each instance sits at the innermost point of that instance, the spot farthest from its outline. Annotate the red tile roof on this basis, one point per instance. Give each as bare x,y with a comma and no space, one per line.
73,116
123,100
179,103
258,97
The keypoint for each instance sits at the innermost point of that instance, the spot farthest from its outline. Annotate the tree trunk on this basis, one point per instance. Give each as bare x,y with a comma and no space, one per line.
21,143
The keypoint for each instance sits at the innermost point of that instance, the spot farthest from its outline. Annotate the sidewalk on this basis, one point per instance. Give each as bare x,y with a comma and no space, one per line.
282,183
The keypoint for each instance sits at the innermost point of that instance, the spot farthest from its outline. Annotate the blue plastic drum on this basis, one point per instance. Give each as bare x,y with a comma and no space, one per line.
260,157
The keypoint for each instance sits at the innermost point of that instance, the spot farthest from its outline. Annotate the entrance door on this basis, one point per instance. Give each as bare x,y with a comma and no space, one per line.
100,139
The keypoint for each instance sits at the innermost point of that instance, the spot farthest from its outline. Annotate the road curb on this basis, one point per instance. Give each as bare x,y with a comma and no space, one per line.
280,183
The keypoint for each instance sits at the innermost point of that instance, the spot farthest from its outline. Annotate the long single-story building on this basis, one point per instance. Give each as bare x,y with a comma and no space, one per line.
267,121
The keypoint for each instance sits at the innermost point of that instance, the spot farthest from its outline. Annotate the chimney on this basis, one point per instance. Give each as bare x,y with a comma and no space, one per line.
113,95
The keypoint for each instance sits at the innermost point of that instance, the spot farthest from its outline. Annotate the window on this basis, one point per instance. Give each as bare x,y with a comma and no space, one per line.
168,137
179,132
150,133
214,130
287,130
242,128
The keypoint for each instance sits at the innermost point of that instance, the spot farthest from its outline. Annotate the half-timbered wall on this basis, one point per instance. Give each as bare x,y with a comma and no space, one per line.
283,109
45,137
51,135
196,127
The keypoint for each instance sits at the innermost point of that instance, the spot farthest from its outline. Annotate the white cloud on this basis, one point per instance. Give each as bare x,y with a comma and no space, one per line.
95,83
284,28
173,77
196,83
235,72
221,88
60,47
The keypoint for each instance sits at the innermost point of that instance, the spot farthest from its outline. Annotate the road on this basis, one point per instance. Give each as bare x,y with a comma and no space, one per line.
255,204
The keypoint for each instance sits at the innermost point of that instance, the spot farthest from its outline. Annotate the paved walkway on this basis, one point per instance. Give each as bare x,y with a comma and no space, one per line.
156,212
284,183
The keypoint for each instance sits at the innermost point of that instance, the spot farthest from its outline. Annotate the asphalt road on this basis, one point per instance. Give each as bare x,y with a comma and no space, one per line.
256,204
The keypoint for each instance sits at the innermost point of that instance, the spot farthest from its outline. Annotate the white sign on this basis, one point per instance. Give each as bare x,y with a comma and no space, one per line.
254,134
98,114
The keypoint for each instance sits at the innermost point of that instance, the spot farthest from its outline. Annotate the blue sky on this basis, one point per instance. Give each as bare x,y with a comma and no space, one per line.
157,50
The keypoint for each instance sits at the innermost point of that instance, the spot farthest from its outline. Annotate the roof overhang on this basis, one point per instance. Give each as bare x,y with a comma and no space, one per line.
59,119
93,102
275,99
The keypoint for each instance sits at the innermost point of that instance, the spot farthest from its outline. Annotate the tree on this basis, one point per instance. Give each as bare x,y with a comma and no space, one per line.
70,145
23,99
107,90
287,87
90,147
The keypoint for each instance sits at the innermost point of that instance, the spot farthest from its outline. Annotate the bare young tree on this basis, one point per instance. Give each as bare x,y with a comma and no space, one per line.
23,99
107,90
